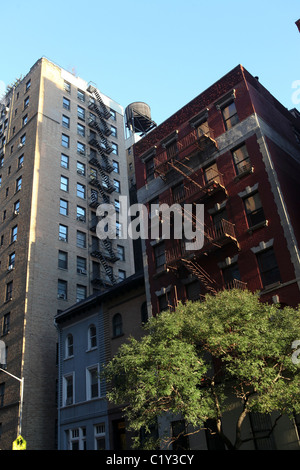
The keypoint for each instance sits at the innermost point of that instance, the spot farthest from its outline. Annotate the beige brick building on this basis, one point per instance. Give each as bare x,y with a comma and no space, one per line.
62,153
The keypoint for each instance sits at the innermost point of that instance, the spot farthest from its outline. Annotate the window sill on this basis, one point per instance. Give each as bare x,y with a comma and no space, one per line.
244,173
264,223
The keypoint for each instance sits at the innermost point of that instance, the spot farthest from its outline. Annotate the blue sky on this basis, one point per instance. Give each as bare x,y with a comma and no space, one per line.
163,52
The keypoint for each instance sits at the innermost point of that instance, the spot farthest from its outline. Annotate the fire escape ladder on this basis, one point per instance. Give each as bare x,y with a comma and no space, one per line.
97,95
108,247
202,275
104,263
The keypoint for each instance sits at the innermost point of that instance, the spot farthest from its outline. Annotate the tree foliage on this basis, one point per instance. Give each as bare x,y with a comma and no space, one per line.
170,369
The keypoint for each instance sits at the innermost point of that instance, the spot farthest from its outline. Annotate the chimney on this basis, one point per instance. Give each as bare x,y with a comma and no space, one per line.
298,24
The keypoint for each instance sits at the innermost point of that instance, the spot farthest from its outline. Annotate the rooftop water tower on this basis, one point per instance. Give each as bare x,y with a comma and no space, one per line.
138,118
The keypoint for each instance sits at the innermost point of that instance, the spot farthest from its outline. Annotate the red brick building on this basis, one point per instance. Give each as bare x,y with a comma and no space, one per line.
235,149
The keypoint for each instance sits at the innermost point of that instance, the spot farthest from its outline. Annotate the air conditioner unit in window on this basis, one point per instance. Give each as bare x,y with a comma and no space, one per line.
62,296
11,267
16,213
81,271
62,239
20,146
81,218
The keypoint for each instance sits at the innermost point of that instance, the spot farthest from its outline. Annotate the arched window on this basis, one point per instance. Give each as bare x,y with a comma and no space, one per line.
117,324
69,346
92,337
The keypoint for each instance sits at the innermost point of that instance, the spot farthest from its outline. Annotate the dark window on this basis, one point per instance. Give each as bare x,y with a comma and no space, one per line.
254,210
159,255
149,169
117,325
179,432
241,159
230,116
268,267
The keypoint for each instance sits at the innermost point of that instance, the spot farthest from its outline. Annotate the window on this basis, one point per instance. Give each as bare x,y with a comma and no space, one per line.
254,211
64,161
117,325
9,291
230,116
116,166
121,252
163,302
19,184
193,290
261,425
159,255
63,207
23,140
179,432
81,265
80,95
63,233
80,113
11,260
80,215
62,289
118,229
20,161
80,130
99,432
24,120
26,102
115,148
113,131
76,439
65,140
231,273
81,239
81,148
16,207
241,159
80,293
93,382
69,351
14,234
66,103
62,260
117,205
68,390
113,115
117,186
92,337
122,275
81,191
65,121
211,174
6,324
64,183
149,165
67,86
80,169
268,267
28,85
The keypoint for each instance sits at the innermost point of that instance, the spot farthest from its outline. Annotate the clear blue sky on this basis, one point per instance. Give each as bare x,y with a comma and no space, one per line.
163,52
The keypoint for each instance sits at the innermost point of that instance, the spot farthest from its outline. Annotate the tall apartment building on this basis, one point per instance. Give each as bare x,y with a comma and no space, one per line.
235,150
62,154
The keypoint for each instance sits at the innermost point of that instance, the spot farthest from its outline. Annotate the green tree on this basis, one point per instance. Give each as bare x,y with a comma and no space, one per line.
192,359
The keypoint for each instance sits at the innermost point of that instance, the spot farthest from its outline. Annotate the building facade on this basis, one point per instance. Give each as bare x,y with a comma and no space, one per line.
62,155
229,161
90,334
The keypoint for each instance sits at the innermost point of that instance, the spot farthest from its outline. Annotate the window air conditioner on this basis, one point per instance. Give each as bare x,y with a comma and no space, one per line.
61,296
